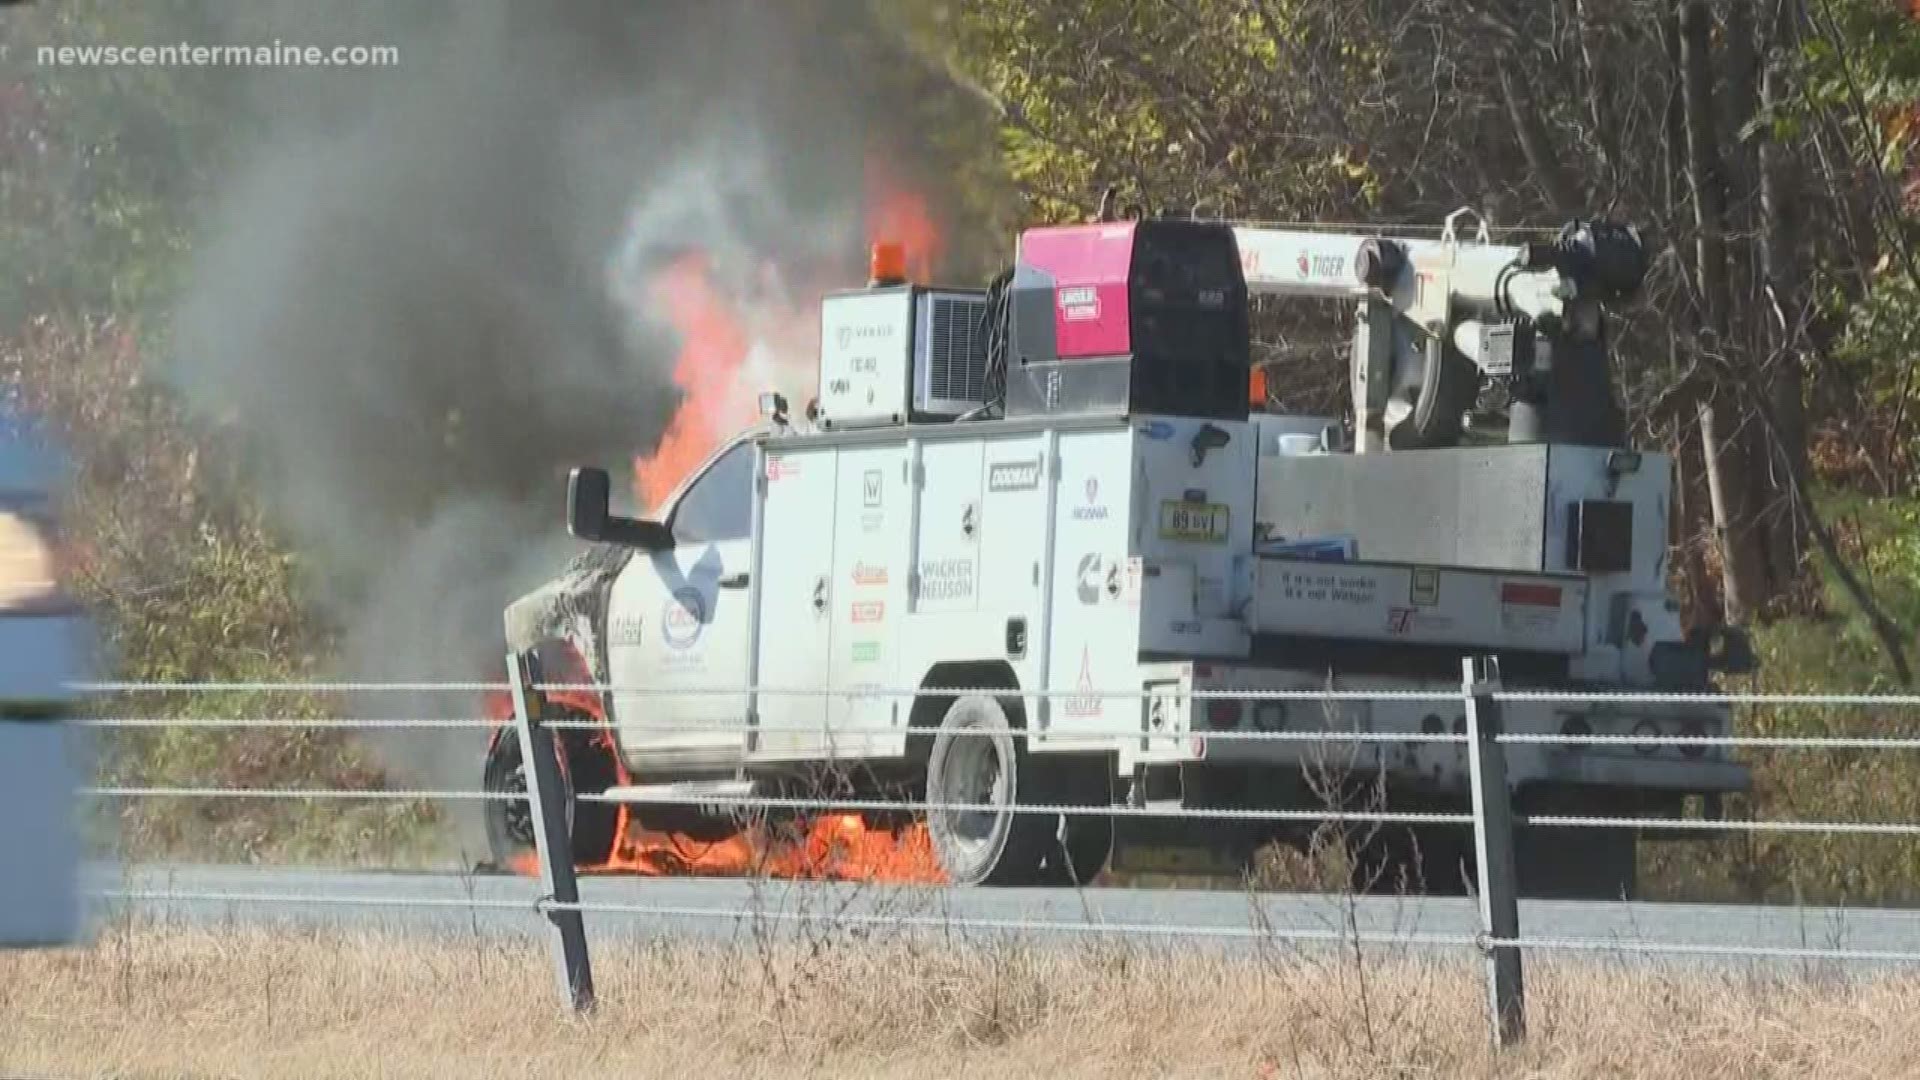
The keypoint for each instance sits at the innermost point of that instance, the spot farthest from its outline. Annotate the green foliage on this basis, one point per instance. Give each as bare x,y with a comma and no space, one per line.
1835,655
1177,112
104,162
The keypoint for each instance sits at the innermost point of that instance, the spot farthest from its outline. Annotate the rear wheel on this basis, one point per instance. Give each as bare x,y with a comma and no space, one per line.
1577,864
584,767
1082,843
976,761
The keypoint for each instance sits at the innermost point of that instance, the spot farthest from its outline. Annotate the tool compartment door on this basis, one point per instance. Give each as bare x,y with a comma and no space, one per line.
872,519
797,590
1095,616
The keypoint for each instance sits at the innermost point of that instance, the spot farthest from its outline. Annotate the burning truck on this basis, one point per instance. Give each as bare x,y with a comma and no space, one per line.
1052,512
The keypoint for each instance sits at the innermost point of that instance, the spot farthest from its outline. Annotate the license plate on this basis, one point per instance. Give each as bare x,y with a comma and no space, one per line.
1206,522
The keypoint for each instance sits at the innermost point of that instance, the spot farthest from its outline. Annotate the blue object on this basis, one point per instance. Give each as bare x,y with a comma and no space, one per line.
1318,549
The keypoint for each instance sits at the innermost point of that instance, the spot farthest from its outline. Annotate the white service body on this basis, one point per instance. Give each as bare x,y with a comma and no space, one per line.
867,559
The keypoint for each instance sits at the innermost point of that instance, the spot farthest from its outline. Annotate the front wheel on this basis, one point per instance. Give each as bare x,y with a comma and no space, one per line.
509,822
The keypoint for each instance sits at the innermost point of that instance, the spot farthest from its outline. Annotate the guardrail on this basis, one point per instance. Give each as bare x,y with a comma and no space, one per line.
1493,817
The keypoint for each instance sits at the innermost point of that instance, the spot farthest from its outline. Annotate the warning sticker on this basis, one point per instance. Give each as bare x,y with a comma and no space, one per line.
1529,607
1329,586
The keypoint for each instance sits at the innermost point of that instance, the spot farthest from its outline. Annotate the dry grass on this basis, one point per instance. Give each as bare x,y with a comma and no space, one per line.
154,1001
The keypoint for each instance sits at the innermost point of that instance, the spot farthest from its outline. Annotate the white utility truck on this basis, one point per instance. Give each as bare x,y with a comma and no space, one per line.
1055,490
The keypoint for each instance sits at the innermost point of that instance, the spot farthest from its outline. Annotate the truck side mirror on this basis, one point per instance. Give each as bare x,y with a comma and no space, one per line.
589,519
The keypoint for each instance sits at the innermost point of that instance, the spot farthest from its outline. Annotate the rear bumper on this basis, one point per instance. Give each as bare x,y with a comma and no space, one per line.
1435,766
1599,769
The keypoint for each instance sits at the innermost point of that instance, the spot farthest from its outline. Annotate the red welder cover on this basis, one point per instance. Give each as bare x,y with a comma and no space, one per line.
1089,265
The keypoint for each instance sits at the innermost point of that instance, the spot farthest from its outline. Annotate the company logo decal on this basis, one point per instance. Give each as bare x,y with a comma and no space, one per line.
682,619
1079,304
867,611
946,579
1092,511
1013,475
1085,702
1090,579
864,574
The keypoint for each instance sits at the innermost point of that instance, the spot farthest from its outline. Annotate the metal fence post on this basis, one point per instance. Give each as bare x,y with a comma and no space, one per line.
1493,851
547,797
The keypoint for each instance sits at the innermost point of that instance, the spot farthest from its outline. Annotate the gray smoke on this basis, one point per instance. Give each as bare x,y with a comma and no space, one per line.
409,304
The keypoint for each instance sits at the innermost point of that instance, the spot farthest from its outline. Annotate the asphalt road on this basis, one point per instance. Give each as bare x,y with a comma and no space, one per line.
449,904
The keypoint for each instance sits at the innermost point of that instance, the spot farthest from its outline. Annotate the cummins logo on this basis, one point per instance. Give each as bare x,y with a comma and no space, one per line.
1013,475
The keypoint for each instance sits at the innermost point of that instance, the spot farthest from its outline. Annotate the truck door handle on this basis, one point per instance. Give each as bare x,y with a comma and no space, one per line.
734,581
820,594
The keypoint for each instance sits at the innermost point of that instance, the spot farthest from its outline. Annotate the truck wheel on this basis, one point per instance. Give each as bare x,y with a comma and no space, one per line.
984,847
591,825
1084,842
1576,864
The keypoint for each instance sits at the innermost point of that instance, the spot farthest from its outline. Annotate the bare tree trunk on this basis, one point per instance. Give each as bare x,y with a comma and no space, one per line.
1782,300
1727,467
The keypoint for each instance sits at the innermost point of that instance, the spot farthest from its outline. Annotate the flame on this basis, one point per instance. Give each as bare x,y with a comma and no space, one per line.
826,847
832,847
734,347
898,213
729,353
738,339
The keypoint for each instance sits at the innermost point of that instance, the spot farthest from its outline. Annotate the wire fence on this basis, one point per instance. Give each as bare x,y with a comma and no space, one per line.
1499,741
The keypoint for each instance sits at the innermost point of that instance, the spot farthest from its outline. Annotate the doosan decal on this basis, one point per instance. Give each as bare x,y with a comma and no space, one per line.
868,574
1092,510
1013,475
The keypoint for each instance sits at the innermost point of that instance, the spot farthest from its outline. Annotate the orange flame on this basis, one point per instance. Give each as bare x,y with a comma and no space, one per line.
731,350
826,847
712,353
898,214
833,847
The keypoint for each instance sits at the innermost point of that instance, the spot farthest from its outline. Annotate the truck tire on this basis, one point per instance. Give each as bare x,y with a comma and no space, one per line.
509,824
1084,842
1576,864
985,847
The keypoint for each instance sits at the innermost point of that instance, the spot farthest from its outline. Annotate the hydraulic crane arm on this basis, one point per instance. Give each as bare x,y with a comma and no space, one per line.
1433,310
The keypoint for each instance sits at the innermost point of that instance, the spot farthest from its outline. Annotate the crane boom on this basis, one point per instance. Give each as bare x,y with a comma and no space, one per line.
1422,301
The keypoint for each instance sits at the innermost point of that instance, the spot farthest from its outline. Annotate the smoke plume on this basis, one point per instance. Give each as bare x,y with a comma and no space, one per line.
419,301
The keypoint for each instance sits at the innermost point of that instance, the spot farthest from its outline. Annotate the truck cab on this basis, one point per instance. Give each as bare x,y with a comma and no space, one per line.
678,619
